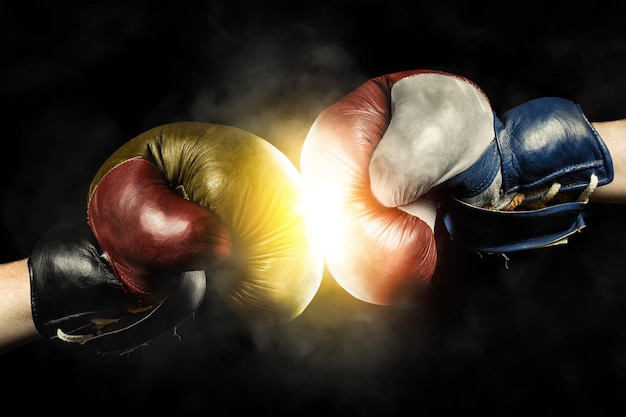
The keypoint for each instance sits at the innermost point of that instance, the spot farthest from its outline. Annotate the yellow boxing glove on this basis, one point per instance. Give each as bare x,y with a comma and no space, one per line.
200,196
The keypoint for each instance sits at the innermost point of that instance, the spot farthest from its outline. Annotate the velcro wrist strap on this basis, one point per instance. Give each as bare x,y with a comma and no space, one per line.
495,231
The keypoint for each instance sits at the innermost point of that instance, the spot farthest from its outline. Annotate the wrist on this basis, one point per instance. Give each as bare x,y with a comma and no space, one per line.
17,327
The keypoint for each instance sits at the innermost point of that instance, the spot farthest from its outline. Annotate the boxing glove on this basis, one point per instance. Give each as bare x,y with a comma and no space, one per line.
198,196
76,298
514,183
425,143
377,253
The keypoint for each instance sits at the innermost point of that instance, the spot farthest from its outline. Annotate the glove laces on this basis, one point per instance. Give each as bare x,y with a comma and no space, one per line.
520,199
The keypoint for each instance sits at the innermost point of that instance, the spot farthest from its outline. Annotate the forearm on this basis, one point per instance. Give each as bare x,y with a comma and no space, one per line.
16,322
613,134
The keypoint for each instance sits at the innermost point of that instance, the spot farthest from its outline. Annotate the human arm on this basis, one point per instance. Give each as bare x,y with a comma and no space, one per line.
614,135
16,321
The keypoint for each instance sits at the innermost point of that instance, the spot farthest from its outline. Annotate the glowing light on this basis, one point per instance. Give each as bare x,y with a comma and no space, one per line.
322,210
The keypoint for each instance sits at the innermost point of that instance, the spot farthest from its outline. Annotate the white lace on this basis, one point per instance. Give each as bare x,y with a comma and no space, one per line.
552,192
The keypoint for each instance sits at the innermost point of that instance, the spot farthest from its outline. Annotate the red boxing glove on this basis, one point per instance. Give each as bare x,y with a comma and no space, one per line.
382,255
148,231
197,196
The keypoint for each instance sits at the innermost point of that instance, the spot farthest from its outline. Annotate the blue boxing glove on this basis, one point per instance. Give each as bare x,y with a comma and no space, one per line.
545,162
502,184
542,148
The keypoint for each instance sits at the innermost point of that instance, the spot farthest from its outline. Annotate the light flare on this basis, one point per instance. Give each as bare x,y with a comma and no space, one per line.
322,211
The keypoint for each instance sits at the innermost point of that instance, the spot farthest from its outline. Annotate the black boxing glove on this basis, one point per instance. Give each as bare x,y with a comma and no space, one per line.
76,298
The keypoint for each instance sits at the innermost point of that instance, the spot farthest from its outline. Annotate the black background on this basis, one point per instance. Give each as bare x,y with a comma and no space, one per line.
542,332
